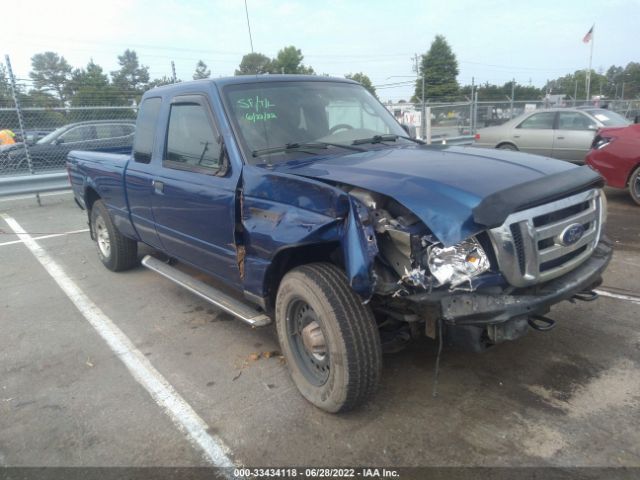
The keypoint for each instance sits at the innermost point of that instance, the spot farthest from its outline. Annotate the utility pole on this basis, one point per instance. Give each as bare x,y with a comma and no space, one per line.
174,78
513,94
622,94
575,93
472,115
592,40
423,113
246,11
16,101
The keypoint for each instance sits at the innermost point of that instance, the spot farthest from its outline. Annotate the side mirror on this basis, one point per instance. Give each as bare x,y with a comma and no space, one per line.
58,141
31,139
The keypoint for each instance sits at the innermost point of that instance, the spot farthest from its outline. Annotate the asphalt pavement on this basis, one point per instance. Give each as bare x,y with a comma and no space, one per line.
70,396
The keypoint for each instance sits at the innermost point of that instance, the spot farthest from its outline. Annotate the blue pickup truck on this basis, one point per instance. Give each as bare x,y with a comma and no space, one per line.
300,199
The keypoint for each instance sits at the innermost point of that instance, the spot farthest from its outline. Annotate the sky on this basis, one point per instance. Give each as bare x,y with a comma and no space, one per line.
493,40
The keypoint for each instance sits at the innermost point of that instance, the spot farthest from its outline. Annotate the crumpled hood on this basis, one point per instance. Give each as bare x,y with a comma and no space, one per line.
441,185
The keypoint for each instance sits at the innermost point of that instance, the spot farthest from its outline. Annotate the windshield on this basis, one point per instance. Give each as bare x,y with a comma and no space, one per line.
609,118
50,136
279,114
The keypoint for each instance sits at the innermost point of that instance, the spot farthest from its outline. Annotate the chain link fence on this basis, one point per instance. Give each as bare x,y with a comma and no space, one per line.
465,118
51,133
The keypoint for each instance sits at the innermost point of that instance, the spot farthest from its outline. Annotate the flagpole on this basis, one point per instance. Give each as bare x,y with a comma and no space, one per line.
593,31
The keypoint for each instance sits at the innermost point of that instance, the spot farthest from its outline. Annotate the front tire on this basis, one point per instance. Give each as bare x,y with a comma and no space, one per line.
115,251
634,185
328,337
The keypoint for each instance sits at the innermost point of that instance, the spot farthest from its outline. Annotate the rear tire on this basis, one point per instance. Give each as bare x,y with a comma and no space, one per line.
115,251
634,185
328,337
507,146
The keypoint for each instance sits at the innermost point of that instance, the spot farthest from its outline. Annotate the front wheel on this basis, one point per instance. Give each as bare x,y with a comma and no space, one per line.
634,185
328,337
116,251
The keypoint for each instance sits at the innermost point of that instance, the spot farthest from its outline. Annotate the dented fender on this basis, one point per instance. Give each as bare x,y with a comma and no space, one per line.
278,211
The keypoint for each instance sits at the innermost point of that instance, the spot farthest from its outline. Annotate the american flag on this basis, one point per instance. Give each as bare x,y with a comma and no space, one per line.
589,35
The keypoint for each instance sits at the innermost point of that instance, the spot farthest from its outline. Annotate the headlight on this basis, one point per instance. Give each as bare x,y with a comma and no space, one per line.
457,264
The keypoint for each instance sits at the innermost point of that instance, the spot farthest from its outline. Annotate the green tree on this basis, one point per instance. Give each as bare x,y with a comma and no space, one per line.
289,60
577,82
50,72
363,80
6,99
202,71
254,64
439,68
159,82
90,87
132,78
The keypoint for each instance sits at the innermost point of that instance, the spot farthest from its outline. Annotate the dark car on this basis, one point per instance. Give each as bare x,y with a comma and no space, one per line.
615,154
50,152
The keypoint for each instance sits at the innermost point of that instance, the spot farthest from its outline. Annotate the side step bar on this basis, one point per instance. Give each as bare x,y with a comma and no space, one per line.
207,292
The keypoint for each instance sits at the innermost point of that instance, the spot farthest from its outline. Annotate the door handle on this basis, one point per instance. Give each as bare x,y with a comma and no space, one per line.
158,186
516,136
560,138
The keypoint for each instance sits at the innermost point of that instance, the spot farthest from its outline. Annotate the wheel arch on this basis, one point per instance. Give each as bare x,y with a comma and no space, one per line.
507,142
288,258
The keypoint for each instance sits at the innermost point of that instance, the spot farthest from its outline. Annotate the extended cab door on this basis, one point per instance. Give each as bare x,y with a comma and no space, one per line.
193,197
140,171
573,136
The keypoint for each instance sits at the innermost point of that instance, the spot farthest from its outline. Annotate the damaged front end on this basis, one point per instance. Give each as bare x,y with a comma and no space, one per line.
398,259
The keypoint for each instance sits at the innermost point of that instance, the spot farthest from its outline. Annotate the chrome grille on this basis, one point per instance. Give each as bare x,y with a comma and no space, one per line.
530,247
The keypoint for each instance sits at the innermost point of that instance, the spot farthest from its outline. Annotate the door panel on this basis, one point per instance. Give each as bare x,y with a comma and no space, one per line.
139,187
140,172
535,134
195,220
193,202
573,136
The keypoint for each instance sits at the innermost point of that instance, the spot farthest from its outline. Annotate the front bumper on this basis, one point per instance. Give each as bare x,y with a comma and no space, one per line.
483,309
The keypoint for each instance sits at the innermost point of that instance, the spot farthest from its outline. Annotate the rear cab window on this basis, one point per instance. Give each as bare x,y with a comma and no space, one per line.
146,129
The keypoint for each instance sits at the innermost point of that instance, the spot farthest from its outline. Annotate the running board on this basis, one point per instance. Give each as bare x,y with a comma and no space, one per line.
212,295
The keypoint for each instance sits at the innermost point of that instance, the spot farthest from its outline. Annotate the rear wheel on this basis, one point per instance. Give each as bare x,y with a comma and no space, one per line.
634,185
328,337
507,146
115,251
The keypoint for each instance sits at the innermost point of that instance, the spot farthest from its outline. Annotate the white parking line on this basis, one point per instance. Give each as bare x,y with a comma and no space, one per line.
162,392
43,237
628,298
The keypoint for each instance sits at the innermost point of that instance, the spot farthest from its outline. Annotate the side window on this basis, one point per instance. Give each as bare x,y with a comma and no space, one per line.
539,121
146,129
191,141
106,131
575,121
78,134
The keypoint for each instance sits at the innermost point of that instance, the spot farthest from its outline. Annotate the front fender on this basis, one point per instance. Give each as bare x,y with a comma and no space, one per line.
280,211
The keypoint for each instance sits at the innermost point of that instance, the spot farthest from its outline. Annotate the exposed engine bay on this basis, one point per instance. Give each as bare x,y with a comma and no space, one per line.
412,261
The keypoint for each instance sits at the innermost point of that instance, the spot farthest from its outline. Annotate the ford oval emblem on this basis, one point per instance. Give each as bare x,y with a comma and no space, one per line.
571,234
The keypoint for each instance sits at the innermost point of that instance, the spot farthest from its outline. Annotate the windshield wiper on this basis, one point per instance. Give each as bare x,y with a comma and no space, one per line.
289,147
300,147
384,138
